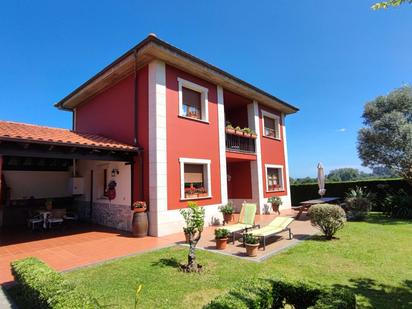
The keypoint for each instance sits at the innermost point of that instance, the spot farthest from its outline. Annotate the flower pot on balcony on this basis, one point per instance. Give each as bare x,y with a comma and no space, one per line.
248,135
240,133
230,131
254,136
221,243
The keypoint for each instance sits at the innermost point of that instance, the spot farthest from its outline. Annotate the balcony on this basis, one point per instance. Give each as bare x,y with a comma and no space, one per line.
239,143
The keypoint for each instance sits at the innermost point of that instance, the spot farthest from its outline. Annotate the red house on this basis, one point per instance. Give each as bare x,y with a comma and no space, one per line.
154,121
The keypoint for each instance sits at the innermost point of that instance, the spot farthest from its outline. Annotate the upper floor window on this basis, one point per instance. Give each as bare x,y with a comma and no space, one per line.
193,101
271,125
274,178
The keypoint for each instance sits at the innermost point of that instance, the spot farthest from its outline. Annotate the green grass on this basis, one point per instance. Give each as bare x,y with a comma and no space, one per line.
373,259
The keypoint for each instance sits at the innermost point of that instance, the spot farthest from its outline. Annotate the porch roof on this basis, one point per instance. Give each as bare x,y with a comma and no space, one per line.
27,139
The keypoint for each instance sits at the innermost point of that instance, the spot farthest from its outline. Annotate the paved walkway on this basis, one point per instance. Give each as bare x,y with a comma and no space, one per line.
86,245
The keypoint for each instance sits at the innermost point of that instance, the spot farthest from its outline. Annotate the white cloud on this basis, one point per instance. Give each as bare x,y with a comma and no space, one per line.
342,130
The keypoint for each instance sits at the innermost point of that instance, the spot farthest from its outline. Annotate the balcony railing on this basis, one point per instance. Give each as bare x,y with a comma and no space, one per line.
239,143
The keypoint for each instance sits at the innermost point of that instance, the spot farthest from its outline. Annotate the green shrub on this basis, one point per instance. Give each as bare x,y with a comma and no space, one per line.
358,203
227,209
265,293
221,233
41,287
328,218
275,200
399,205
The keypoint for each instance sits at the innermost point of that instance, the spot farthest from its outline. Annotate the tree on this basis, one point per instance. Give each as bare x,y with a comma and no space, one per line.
386,4
390,3
386,139
194,217
344,174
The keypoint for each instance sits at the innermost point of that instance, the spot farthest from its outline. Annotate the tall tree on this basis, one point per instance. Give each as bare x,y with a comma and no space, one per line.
344,174
390,3
386,139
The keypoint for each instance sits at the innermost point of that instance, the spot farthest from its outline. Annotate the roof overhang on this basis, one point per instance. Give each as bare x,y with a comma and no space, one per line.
153,48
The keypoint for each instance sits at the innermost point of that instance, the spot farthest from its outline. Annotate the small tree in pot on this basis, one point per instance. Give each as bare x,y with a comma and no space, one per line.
194,217
227,211
221,236
276,201
251,244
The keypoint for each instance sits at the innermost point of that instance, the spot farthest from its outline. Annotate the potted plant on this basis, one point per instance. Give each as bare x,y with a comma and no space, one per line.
247,132
227,212
251,244
238,131
221,236
201,192
190,192
253,134
229,128
140,224
276,202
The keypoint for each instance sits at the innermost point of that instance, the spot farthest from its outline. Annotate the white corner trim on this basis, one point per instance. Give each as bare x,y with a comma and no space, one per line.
203,97
222,144
285,149
282,176
157,143
204,162
257,174
277,123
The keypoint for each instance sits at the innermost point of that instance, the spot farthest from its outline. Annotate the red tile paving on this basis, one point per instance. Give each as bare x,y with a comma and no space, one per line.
82,245
33,133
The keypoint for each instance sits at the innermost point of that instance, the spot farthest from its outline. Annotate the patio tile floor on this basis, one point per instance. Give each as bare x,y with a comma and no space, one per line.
89,244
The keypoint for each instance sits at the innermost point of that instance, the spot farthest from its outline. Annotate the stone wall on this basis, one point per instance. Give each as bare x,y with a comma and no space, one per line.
113,215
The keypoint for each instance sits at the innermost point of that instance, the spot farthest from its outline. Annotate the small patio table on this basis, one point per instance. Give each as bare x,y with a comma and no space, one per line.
45,214
305,205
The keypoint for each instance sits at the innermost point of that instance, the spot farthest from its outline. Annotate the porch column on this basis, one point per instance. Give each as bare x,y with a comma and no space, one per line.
256,166
222,144
157,146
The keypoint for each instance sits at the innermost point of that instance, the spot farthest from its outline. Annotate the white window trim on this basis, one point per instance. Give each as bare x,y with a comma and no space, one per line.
203,98
281,176
208,177
277,124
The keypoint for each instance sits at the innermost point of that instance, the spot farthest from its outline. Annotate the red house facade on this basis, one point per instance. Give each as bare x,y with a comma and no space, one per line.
175,108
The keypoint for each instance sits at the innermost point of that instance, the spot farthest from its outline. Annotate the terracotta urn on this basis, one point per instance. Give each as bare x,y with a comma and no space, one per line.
252,249
221,243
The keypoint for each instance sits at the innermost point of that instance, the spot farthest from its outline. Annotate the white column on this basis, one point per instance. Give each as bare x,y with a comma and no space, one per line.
157,145
222,143
256,166
287,203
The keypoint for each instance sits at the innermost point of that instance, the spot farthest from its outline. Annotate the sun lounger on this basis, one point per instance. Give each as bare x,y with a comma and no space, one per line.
278,225
246,220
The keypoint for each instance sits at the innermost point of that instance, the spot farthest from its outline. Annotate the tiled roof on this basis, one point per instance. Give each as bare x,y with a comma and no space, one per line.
40,134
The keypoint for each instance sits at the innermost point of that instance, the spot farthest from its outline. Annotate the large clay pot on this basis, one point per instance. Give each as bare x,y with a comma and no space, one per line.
221,243
251,250
140,224
227,218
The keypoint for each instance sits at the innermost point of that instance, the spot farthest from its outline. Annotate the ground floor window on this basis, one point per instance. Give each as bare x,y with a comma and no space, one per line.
195,178
274,178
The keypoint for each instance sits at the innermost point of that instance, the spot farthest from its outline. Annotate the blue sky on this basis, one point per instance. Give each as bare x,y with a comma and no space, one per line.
326,57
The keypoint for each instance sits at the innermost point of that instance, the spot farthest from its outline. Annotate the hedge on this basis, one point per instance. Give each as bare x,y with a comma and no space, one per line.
267,293
39,286
380,187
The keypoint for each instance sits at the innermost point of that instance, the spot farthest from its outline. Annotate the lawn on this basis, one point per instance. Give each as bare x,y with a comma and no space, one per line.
373,259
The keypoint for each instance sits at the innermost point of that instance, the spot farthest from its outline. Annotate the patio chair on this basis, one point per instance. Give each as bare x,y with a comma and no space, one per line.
56,217
246,220
278,225
35,221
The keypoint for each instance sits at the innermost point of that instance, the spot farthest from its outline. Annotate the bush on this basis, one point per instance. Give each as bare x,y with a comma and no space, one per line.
399,205
358,203
38,286
264,293
328,218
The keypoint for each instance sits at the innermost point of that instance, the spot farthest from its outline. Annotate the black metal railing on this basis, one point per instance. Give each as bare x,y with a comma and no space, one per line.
239,143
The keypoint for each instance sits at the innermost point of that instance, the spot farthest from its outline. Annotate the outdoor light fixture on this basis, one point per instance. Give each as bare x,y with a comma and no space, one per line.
115,172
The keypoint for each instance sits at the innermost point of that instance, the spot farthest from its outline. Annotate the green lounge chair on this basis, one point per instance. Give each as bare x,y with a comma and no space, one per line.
246,220
278,225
